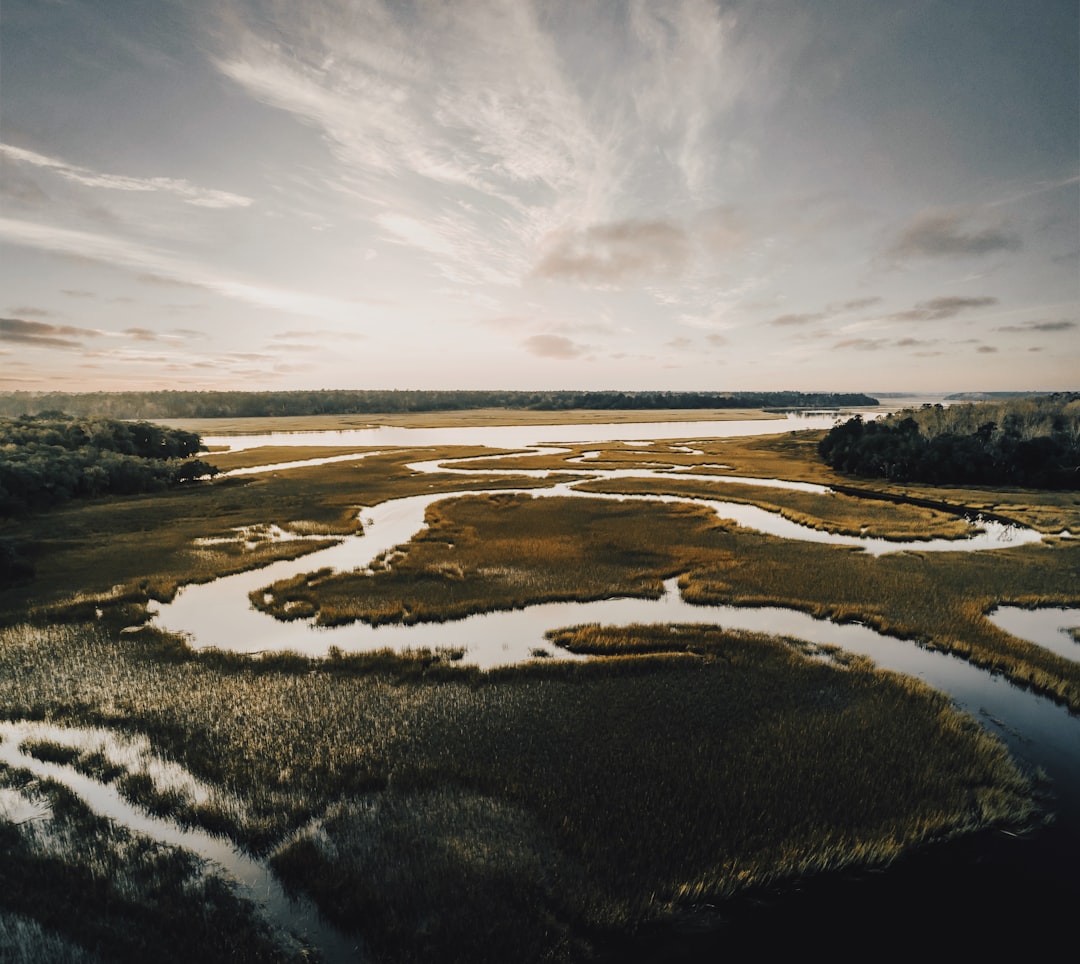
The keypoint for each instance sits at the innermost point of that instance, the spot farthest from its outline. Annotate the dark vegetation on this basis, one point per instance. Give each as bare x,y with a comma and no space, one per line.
52,457
176,404
529,813
1031,441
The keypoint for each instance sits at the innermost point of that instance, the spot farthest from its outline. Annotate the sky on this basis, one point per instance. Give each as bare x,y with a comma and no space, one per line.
836,195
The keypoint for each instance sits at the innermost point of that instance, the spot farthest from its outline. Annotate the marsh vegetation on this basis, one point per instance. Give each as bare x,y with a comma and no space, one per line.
462,815
534,812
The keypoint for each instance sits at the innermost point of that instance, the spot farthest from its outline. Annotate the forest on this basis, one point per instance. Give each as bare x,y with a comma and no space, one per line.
50,458
185,404
1032,441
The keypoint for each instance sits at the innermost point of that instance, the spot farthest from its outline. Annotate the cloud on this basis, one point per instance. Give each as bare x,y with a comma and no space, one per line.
938,233
37,333
863,344
326,335
722,230
141,258
717,340
31,312
553,346
141,334
937,309
986,349
156,279
617,253
189,193
857,304
1062,325
787,321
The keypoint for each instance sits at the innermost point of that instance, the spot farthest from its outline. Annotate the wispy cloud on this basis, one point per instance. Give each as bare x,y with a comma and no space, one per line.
950,233
491,137
937,309
554,346
473,98
789,321
855,304
1060,325
187,192
863,344
145,260
616,253
42,335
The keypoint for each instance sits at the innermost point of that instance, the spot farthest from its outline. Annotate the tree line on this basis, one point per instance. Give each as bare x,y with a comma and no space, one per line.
52,457
1032,441
185,404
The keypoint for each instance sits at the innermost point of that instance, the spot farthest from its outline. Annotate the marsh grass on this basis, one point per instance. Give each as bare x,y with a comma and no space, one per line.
481,553
520,813
839,514
75,887
134,549
488,552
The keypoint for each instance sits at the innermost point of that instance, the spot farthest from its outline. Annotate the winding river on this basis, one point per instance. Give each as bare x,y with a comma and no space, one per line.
1039,733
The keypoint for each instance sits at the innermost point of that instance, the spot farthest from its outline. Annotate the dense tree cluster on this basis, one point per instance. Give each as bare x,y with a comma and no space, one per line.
52,457
1032,441
179,404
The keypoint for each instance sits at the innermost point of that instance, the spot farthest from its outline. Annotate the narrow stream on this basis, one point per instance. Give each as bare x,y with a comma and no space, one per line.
299,918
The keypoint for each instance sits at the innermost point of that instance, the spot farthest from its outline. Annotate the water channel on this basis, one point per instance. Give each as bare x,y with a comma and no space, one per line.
1039,733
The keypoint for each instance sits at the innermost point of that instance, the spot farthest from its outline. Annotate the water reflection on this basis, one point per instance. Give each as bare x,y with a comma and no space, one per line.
1050,627
521,436
298,916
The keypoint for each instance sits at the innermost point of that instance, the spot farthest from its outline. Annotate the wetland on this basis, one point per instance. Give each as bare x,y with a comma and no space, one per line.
559,692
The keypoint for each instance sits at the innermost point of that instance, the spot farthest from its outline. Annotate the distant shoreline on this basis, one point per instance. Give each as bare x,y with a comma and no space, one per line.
455,419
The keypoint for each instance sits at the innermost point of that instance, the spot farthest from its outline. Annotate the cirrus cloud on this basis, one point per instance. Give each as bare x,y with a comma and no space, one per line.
189,193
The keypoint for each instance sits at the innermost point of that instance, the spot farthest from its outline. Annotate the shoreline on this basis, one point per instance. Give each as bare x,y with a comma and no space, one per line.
257,425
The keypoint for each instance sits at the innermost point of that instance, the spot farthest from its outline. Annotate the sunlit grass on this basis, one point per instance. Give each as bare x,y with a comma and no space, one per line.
504,551
840,514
